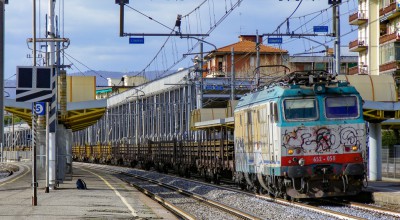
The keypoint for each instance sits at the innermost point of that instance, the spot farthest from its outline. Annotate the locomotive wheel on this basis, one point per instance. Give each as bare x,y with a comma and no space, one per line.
287,197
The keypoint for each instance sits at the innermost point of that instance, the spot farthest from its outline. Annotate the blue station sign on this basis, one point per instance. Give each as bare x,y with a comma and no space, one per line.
136,40
320,28
274,40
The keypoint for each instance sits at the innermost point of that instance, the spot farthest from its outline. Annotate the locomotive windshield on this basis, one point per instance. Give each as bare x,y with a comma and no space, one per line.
300,109
341,107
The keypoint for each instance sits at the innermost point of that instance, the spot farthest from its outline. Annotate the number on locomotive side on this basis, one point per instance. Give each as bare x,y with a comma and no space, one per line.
330,158
317,159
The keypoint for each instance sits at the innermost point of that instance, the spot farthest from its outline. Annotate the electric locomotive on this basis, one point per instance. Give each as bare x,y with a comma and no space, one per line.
301,137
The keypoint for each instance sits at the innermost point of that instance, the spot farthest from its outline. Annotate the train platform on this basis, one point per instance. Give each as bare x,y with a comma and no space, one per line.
385,192
107,197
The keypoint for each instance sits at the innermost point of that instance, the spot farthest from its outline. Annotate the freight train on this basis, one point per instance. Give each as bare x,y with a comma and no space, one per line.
300,136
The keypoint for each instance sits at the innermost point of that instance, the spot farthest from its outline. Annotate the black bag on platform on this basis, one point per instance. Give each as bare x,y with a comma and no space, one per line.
80,184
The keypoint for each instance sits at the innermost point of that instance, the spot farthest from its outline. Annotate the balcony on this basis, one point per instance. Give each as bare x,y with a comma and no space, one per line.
362,69
393,66
388,12
358,45
358,18
389,38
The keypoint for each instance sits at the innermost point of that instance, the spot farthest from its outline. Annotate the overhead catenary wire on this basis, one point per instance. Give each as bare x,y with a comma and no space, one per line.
196,44
318,12
148,17
75,66
85,65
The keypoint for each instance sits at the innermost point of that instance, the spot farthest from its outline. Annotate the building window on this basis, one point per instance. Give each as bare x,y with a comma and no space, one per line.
220,63
389,52
308,66
320,66
385,3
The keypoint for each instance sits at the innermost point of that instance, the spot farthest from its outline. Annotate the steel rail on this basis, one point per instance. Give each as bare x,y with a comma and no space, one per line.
218,205
225,208
272,199
366,207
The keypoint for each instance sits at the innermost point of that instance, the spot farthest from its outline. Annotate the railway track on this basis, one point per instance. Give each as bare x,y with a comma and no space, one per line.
345,210
360,207
249,202
186,205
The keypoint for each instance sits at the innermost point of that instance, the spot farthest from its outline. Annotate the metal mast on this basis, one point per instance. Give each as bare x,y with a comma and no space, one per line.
2,4
51,63
336,33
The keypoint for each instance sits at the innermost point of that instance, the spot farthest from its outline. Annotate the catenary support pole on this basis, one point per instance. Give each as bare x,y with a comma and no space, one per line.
34,118
257,60
201,75
2,28
337,40
51,63
232,74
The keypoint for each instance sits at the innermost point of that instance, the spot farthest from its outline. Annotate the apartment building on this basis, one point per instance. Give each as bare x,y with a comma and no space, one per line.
378,41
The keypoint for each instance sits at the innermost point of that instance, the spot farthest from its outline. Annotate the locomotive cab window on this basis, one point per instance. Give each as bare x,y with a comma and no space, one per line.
341,107
300,109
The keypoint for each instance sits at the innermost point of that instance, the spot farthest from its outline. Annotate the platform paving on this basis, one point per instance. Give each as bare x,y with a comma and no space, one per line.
385,192
107,197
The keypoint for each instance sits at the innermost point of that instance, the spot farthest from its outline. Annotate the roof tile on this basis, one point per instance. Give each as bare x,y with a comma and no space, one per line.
250,46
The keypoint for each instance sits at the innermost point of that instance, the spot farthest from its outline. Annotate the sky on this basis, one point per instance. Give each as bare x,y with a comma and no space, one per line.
93,29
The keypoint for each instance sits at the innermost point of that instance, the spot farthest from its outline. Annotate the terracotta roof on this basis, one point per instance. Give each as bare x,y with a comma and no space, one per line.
250,46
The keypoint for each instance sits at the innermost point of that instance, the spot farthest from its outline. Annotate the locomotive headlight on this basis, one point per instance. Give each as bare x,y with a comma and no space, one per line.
290,151
354,148
302,162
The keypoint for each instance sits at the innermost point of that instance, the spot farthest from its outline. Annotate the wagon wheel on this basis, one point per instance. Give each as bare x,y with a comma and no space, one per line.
187,173
217,177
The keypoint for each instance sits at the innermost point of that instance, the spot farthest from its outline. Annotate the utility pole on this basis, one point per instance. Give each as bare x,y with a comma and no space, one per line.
257,60
2,28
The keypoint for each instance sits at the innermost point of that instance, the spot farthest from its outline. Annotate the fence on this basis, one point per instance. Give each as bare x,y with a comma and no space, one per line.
391,162
17,155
